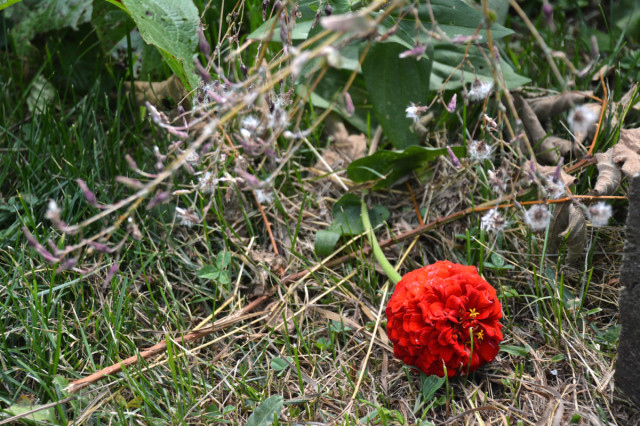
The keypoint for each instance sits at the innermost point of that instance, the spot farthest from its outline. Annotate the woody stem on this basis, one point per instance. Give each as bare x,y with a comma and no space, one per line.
388,269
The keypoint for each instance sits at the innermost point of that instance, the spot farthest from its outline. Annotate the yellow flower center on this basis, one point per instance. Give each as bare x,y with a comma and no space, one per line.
473,313
480,334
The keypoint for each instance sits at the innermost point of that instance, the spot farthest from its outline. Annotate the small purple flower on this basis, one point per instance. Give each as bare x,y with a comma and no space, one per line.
452,156
416,52
161,197
88,195
328,10
451,106
203,44
111,273
350,108
547,12
202,71
39,247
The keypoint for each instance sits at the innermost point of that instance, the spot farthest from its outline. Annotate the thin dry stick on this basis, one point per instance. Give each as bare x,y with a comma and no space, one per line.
162,346
604,105
267,224
421,229
540,41
590,159
415,204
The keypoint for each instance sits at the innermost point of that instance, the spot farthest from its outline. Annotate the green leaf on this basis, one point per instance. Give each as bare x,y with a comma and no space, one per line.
32,18
171,26
455,17
265,412
7,3
346,214
515,350
210,272
44,416
338,327
430,385
326,240
447,58
307,10
346,221
332,85
393,165
111,24
223,259
279,364
394,83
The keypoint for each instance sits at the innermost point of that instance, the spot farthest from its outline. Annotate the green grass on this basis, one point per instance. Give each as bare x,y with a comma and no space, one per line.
316,335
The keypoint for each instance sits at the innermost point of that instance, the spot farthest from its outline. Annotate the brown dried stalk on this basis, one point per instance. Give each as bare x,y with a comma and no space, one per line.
421,229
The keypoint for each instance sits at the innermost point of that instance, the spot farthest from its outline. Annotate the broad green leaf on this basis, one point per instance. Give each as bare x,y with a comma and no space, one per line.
112,24
430,385
346,221
394,83
171,26
447,58
223,259
307,9
209,272
331,86
326,240
455,17
279,364
346,215
392,165
264,414
516,350
7,3
36,17
45,416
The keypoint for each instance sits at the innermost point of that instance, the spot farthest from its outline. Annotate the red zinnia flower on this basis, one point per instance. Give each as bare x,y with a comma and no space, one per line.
444,314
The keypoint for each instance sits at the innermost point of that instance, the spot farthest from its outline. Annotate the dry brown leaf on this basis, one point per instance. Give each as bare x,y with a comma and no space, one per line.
549,171
344,148
628,97
626,153
568,225
602,72
156,92
548,149
550,106
609,175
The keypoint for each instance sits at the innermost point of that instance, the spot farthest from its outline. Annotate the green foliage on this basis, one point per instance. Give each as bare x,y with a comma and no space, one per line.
264,414
346,221
33,17
430,385
389,166
393,84
171,26
218,272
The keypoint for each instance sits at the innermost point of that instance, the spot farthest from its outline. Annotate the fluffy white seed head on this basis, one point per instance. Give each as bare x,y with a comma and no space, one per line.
480,90
480,150
581,119
537,217
493,221
599,214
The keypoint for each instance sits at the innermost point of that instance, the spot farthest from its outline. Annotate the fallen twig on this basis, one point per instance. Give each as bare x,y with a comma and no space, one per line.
421,229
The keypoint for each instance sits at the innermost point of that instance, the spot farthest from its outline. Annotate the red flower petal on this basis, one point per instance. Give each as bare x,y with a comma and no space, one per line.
444,315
